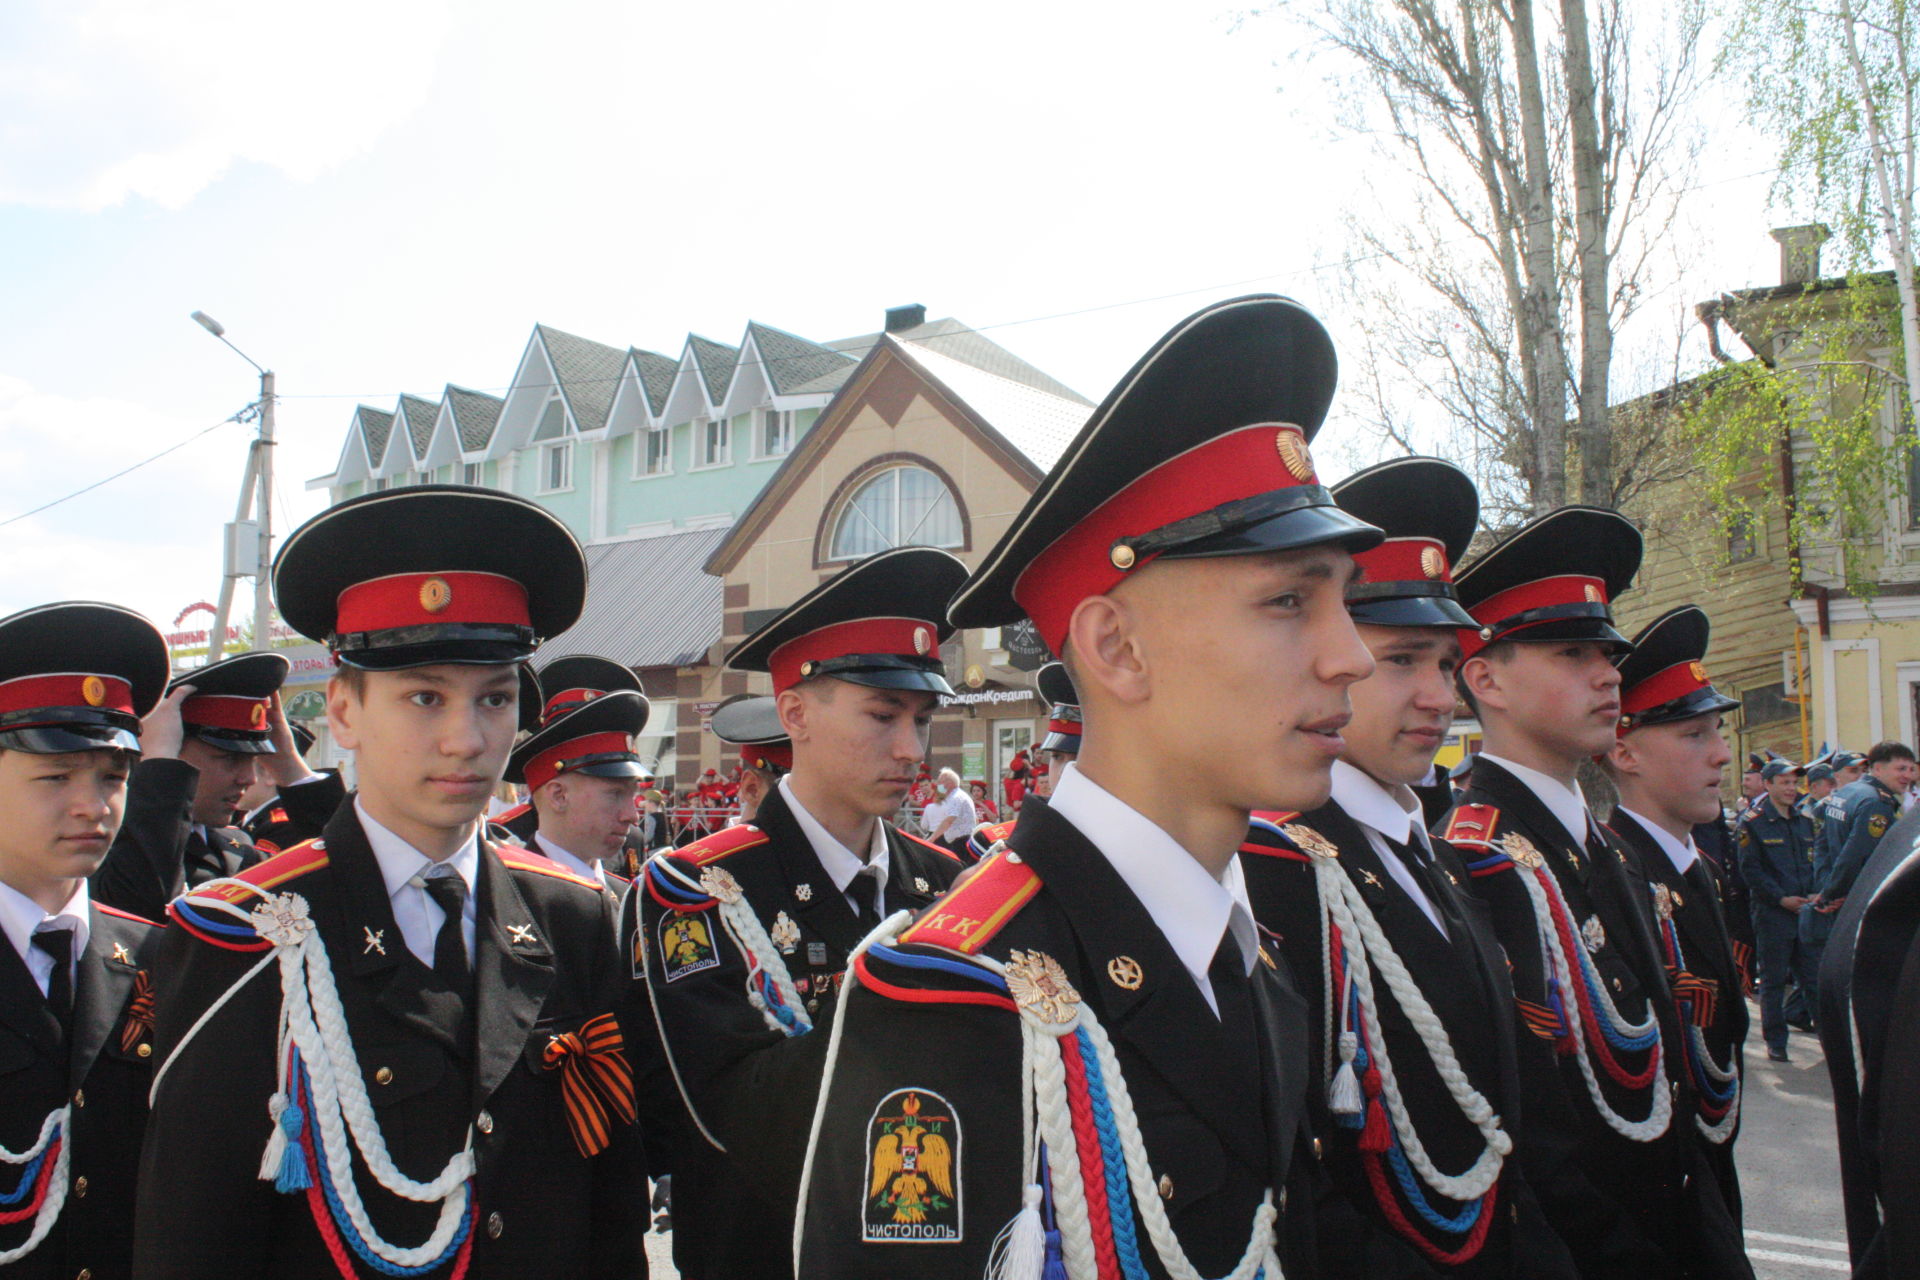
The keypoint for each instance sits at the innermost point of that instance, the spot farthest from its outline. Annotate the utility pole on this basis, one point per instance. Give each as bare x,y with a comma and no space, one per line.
247,546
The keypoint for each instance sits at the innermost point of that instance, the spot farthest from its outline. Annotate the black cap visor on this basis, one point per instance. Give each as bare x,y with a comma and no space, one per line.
1065,743
608,766
1701,702
912,678
1560,630
1284,520
464,644
256,744
61,739
1407,604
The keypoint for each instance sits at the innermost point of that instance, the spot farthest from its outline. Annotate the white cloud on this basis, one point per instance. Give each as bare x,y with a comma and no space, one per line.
107,100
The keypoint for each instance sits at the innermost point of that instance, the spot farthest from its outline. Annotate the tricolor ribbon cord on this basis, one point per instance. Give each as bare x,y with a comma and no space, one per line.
769,986
42,1185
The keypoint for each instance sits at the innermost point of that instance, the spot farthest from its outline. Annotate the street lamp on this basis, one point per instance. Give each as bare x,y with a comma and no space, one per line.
241,560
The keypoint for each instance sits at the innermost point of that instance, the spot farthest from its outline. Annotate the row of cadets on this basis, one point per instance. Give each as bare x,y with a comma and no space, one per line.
76,976
580,769
390,1050
1416,1097
743,934
1086,1059
1667,763
1602,1073
751,722
202,748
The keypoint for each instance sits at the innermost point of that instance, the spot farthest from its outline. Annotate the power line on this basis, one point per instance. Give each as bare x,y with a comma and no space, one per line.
172,448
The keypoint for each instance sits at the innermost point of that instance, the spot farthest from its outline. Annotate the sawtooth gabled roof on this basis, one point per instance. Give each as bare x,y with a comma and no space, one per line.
716,361
476,414
791,362
588,373
420,413
375,426
656,376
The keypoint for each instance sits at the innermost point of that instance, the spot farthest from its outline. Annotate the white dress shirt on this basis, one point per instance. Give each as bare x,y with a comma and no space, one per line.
1192,910
1565,803
21,917
405,870
579,866
1386,815
1680,853
840,862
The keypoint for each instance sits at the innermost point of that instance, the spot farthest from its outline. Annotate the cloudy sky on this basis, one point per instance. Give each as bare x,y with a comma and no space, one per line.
377,196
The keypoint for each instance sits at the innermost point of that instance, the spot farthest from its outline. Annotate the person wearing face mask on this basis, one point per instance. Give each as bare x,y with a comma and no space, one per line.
1667,763
950,819
1400,964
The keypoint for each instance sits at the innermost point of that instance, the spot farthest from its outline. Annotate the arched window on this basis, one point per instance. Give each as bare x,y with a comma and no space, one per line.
900,507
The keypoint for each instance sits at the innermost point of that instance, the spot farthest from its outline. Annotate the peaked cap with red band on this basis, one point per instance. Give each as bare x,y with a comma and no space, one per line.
1665,677
567,682
751,722
78,676
1552,581
1429,510
231,704
1055,688
430,574
880,623
595,738
1201,450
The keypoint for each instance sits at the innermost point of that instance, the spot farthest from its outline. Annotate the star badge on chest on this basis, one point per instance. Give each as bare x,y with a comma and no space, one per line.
374,943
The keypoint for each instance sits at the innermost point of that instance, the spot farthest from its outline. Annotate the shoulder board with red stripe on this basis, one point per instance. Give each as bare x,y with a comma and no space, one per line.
930,846
1266,836
992,833
303,859
1472,824
118,914
721,844
508,815
525,860
967,918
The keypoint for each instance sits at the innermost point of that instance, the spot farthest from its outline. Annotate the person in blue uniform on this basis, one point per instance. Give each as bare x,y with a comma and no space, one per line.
1776,860
1619,1167
1403,976
392,1050
742,937
1668,766
1089,1045
76,975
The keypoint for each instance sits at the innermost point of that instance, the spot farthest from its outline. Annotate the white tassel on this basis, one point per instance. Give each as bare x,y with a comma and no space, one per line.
1020,1250
276,1140
1343,1095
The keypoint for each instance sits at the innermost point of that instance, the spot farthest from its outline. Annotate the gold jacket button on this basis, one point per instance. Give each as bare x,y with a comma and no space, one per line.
383,1076
79,1097
80,1185
495,1225
86,1273
485,1122
1166,1187
1316,1148
144,1051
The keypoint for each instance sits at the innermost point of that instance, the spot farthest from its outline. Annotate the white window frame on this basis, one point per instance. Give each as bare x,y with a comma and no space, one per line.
782,419
846,505
642,439
704,440
547,450
474,473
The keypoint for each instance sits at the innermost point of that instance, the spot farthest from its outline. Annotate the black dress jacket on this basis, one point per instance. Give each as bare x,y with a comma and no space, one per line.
1625,1209
297,813
750,1089
1700,914
1463,976
544,963
1219,1108
102,1070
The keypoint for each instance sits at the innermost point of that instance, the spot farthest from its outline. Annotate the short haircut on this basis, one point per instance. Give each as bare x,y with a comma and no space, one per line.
353,679
1881,752
1498,651
951,778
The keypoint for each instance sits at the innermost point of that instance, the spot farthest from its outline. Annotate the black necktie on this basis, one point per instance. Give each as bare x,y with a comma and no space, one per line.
1418,861
449,893
864,890
58,944
1232,992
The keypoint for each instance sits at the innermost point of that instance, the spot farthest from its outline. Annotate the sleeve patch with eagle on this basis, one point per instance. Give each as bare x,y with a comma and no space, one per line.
912,1182
686,946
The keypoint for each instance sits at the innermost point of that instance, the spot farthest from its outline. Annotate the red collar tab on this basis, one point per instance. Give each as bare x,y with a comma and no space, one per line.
1660,688
1090,559
1507,612
1405,560
225,711
795,660
429,599
776,758
567,700
65,689
557,759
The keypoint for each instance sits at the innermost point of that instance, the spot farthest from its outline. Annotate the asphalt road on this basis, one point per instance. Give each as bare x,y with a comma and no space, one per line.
1789,1169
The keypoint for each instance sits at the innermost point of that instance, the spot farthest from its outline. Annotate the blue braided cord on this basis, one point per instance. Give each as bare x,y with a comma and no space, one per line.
212,926
1591,977
1492,860
1696,1047
1557,1000
1126,1241
785,1016
31,1173
1410,1187
673,888
345,1225
959,968
1270,828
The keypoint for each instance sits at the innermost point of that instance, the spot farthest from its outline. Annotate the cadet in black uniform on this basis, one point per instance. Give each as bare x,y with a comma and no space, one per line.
1416,1097
1097,989
414,1059
1602,1074
294,812
1668,765
76,976
561,686
584,778
203,746
1776,860
751,722
743,935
